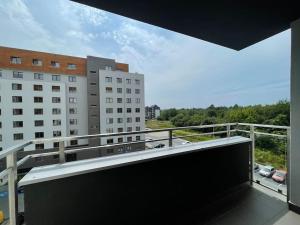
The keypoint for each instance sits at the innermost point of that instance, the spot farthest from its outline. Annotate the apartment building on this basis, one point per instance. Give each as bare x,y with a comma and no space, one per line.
152,112
44,95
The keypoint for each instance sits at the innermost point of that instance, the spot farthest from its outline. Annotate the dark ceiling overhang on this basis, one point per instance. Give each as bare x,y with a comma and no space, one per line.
235,24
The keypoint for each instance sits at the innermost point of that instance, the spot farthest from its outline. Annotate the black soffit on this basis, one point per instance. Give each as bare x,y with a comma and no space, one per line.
233,24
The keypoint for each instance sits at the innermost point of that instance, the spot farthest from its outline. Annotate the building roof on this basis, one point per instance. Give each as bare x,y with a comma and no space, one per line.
234,24
27,56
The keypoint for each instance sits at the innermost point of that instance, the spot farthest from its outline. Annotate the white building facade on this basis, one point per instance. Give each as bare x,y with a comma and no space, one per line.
44,95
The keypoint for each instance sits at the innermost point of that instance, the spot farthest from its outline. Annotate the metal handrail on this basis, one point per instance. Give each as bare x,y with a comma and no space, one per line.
12,164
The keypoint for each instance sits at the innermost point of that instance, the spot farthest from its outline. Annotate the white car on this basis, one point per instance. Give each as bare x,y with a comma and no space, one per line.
186,142
267,171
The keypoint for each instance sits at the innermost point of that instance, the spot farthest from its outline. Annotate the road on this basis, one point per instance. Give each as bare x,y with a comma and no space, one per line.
160,135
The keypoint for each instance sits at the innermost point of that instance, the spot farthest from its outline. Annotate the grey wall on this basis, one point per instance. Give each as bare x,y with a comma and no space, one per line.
294,156
94,64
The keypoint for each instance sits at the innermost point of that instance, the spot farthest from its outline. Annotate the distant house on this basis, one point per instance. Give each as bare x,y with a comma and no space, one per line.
152,112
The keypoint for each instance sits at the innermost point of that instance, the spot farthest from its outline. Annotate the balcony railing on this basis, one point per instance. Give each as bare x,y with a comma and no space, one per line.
9,175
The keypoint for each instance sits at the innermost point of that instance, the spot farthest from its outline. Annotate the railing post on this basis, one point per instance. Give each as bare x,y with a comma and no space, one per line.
252,156
11,165
170,138
288,146
228,130
62,152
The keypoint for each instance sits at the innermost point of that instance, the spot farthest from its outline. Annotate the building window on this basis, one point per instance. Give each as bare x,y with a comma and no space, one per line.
137,81
120,129
72,89
109,130
128,110
73,132
38,76
120,140
56,133
56,77
17,124
129,139
129,129
38,99
137,110
137,119
137,128
108,89
93,84
37,62
37,87
137,100
137,91
119,100
17,111
39,134
15,60
71,66
110,141
120,110
17,74
1,139
119,90
55,64
56,122
15,86
72,100
39,146
92,71
56,111
129,120
73,110
108,79
55,99
138,138
73,121
128,100
109,120
109,100
128,90
38,111
55,88
119,80
128,81
109,110
16,98
39,123
18,136
108,68
74,142
72,78
56,145
0,73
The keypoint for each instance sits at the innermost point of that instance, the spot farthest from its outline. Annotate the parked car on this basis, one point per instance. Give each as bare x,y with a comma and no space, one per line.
149,139
256,167
159,145
267,171
279,176
186,142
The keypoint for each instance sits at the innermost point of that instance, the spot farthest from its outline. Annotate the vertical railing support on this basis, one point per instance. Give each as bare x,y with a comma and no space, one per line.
11,164
228,130
288,151
170,138
252,156
62,152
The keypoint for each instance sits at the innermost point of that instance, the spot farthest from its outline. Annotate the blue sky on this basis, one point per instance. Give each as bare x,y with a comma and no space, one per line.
180,71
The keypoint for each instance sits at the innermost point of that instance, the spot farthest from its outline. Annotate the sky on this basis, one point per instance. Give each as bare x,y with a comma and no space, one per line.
180,71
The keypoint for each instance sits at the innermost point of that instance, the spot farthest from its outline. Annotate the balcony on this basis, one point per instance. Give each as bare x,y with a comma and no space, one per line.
210,182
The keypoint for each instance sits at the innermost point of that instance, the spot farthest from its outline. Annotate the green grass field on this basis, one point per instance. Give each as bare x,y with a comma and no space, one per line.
262,156
156,124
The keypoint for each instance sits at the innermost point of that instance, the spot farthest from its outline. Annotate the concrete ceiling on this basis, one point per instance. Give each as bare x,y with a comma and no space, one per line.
235,24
